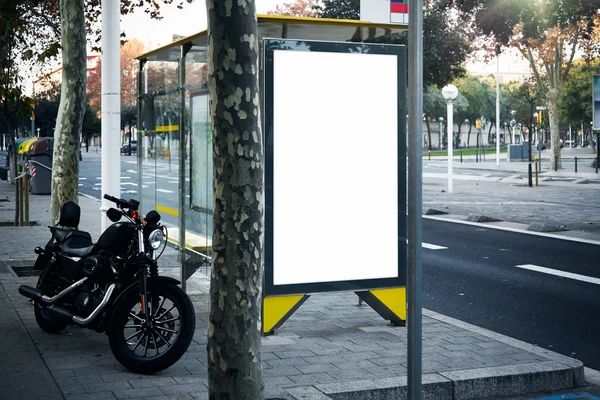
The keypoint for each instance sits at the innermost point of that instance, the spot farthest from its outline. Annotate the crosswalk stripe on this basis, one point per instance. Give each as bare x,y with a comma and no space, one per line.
165,191
433,246
557,272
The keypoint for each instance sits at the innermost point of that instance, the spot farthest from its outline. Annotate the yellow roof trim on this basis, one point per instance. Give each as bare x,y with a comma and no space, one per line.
327,21
282,19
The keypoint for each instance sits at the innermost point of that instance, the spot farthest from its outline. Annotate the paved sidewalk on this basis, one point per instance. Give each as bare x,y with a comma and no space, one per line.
331,348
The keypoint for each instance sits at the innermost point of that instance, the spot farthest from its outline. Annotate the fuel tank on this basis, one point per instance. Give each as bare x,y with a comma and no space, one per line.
117,238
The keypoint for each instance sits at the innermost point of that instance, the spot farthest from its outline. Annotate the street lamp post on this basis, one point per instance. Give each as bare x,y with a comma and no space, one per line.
441,131
450,92
513,123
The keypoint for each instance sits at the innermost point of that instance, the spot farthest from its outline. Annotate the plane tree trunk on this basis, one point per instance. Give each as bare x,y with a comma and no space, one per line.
65,163
554,128
234,326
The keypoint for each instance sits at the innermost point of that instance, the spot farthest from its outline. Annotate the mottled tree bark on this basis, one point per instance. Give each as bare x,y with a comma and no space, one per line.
234,328
554,128
65,164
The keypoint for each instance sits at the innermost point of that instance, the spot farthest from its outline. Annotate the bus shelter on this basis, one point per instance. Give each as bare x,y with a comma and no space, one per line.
174,156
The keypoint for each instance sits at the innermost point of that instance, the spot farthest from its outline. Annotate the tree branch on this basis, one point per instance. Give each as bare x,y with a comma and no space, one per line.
571,57
529,56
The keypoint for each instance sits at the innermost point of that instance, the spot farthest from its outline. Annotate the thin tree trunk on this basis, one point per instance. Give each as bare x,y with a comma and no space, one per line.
469,137
65,164
554,128
234,327
11,134
428,134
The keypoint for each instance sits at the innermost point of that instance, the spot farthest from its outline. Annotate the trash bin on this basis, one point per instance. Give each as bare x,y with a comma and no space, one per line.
11,154
40,165
22,150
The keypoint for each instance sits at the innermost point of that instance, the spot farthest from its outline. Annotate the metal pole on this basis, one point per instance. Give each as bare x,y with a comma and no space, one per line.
184,49
111,104
415,199
449,116
141,131
575,164
597,150
497,110
530,134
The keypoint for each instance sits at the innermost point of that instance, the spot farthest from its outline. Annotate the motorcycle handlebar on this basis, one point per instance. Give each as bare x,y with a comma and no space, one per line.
121,203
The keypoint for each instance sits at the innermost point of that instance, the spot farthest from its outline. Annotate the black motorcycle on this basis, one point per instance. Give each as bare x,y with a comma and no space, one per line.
113,286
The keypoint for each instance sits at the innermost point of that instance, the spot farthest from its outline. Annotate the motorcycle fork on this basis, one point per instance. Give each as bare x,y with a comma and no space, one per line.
144,296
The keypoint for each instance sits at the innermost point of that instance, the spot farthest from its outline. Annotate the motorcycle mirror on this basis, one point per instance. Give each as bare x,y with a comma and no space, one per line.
113,214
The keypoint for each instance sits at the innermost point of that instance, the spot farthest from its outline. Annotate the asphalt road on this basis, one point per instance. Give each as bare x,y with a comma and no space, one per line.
476,280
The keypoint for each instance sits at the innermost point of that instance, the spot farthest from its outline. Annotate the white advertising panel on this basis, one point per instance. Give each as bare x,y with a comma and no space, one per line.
335,167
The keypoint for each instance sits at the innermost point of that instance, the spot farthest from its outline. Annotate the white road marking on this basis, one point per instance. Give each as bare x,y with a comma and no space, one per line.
129,183
563,274
81,184
164,191
99,178
95,188
83,179
173,181
131,162
433,246
125,177
97,184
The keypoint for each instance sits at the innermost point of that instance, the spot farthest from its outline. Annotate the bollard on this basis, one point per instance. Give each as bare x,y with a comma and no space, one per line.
461,157
18,201
536,174
575,164
556,163
429,155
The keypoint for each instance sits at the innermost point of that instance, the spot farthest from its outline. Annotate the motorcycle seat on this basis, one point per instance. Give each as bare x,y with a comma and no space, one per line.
73,242
77,251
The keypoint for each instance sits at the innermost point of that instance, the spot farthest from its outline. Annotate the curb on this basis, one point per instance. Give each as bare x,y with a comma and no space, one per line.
507,226
558,373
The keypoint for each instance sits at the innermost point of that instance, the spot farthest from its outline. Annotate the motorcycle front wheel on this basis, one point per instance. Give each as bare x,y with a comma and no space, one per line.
151,348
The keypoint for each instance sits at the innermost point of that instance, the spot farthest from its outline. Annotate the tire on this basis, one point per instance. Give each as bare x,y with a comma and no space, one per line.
45,321
155,349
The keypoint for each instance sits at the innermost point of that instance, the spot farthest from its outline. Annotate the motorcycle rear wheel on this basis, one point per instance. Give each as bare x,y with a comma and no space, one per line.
151,349
47,283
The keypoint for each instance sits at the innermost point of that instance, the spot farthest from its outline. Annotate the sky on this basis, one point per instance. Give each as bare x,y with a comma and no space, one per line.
188,21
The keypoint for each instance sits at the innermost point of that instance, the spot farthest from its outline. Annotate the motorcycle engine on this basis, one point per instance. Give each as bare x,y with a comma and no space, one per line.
87,300
97,269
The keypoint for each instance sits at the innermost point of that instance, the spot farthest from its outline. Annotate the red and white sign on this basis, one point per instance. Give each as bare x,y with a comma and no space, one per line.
384,11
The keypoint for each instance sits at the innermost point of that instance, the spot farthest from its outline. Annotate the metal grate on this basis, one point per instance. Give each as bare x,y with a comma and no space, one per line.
24,271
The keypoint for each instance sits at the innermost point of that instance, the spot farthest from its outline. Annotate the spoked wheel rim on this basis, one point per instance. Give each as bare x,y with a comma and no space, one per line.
155,339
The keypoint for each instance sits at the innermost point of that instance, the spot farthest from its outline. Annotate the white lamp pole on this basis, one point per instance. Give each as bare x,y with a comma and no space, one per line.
513,123
498,110
450,92
441,131
111,105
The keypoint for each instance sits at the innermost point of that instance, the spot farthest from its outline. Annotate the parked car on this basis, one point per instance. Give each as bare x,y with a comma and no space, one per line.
125,148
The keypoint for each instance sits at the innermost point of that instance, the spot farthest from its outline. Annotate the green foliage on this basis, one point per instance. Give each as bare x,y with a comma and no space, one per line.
339,9
434,105
575,101
446,44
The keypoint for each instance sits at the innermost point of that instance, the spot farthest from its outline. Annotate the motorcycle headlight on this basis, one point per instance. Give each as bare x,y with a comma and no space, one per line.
156,239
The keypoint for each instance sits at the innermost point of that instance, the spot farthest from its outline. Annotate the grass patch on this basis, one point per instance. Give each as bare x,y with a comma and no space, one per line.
465,152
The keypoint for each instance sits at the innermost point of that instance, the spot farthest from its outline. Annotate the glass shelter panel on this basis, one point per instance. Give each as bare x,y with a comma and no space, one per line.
159,143
199,186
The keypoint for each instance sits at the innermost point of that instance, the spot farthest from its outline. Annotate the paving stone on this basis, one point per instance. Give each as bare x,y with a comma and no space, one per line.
136,393
187,388
104,387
